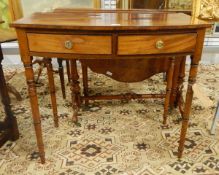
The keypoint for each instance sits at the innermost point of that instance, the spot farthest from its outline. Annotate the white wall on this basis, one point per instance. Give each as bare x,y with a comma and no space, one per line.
47,5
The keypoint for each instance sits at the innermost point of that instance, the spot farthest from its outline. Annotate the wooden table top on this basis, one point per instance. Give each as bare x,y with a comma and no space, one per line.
122,20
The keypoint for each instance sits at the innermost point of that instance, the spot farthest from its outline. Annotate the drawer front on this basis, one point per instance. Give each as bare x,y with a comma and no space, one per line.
155,44
77,44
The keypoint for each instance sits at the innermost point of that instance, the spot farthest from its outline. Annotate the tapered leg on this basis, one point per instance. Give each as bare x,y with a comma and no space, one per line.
179,98
62,79
34,106
68,71
75,88
85,81
189,94
168,89
187,108
176,83
52,90
29,74
10,120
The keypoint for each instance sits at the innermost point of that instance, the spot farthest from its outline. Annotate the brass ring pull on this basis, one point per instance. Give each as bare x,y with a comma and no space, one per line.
159,44
68,44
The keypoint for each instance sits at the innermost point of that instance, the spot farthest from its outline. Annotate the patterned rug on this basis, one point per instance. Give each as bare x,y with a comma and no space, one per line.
115,137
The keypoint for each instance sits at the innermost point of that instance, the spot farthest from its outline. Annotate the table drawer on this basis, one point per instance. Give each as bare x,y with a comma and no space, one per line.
155,44
78,44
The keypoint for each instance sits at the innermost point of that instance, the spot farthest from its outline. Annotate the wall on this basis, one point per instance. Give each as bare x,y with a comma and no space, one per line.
4,13
47,5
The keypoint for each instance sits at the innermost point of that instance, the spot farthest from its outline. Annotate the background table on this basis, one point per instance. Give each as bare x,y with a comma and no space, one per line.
8,128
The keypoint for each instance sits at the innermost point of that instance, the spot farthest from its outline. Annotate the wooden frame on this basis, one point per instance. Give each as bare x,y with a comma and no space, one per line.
206,9
124,4
15,9
97,3
121,4
196,8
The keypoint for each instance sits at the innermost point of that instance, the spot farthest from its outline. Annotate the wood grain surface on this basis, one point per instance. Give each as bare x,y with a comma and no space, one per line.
146,44
110,21
81,44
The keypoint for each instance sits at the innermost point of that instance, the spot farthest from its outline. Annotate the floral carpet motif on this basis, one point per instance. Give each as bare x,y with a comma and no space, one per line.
117,136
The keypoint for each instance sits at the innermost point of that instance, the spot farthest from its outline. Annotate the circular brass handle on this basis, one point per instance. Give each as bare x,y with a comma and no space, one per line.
68,44
159,44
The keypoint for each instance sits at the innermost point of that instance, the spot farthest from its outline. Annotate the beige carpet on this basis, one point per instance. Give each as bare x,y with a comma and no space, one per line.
115,137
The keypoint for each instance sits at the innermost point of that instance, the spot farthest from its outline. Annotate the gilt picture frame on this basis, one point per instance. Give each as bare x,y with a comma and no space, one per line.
206,9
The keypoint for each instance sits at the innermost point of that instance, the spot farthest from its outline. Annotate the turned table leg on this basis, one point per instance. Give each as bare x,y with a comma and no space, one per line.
68,71
34,105
189,94
10,120
75,88
174,83
29,74
168,89
52,90
178,79
85,81
62,79
187,108
179,98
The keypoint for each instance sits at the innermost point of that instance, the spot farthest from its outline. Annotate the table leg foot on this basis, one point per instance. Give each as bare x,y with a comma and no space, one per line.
75,117
187,108
185,124
42,158
34,106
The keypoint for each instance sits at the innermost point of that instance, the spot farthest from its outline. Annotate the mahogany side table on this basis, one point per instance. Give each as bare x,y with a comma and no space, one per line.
127,34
